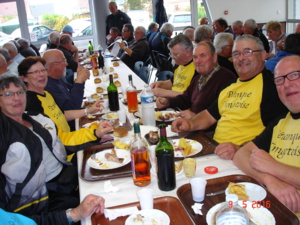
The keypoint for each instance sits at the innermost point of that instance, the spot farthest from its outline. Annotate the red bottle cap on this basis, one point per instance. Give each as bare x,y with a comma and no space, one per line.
211,169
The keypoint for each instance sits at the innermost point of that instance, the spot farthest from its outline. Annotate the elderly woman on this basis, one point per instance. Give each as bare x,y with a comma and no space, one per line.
33,72
276,36
33,159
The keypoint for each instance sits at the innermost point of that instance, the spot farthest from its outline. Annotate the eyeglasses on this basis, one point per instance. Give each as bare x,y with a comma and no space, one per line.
245,52
36,72
125,30
11,94
290,76
63,62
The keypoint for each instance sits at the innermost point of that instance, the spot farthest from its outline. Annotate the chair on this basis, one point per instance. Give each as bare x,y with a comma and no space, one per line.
144,74
137,66
164,75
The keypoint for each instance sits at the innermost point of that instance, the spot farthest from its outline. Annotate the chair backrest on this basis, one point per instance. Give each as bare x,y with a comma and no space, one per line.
164,75
155,60
144,74
137,66
164,63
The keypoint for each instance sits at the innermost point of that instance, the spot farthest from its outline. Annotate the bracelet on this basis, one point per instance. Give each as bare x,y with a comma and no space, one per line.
69,217
86,111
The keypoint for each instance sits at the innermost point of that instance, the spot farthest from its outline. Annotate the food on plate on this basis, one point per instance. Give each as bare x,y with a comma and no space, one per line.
97,80
116,64
111,115
113,157
89,116
115,75
121,145
239,190
111,69
95,96
164,116
99,89
186,147
120,131
178,166
117,83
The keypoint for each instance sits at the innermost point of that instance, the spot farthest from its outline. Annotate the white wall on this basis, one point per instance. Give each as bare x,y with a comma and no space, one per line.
261,11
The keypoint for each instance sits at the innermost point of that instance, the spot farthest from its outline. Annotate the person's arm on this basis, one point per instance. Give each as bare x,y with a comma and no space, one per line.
160,92
74,114
165,84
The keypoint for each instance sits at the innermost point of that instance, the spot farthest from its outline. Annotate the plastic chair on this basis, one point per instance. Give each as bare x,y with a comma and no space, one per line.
164,75
144,74
137,66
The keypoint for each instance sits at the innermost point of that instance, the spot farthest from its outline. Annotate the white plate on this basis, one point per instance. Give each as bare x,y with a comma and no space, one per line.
150,217
164,113
101,163
196,147
106,116
260,216
254,191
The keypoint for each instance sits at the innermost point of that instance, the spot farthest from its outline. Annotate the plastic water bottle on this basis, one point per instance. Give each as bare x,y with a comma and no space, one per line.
231,213
148,112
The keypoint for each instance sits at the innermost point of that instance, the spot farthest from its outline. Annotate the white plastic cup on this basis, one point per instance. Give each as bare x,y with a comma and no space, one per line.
145,196
122,116
198,185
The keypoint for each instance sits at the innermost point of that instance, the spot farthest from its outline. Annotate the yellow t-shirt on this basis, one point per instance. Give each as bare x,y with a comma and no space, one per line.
183,76
239,107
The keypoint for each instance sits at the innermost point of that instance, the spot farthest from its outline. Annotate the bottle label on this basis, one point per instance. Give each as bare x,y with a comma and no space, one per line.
231,218
148,99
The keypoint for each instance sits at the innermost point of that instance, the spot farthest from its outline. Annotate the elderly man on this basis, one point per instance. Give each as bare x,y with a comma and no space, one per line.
11,65
203,21
237,27
221,25
3,66
244,108
250,28
203,33
161,40
205,87
114,34
223,43
13,52
70,51
181,49
127,35
66,96
189,32
53,40
272,158
138,50
117,18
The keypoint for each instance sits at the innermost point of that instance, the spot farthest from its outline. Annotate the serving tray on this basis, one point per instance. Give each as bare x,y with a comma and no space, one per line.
169,205
281,213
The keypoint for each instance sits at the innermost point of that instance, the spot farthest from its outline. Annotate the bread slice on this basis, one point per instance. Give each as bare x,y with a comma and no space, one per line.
120,131
239,190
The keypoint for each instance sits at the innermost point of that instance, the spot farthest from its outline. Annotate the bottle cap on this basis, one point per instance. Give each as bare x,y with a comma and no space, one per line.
211,170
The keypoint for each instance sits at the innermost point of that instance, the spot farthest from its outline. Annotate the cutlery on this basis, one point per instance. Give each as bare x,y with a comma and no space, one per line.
215,193
111,174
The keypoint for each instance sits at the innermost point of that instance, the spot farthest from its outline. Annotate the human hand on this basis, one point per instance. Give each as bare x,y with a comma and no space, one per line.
154,85
162,103
226,150
160,92
82,75
121,44
285,193
96,107
186,114
103,128
180,125
91,204
262,161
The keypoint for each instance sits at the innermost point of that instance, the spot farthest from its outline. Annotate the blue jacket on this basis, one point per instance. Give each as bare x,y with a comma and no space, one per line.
272,62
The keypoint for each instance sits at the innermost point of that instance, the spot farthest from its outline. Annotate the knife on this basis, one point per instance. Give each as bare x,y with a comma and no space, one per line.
215,193
111,174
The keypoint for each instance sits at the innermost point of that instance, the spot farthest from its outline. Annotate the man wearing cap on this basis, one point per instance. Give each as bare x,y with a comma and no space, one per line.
68,30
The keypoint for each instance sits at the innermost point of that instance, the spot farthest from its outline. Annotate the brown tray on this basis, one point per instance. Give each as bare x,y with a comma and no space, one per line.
281,213
90,174
169,205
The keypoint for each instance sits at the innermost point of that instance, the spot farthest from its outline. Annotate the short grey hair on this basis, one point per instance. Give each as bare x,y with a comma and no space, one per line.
6,80
202,31
251,24
209,45
24,43
142,29
64,39
167,27
258,42
237,23
221,40
11,47
54,37
182,40
5,53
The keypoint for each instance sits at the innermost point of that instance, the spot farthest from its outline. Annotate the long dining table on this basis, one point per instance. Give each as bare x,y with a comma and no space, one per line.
119,189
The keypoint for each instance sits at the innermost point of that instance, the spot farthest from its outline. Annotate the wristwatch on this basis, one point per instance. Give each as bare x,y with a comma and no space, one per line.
69,217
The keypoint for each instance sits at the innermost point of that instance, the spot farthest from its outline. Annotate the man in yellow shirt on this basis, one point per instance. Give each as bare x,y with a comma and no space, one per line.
273,157
181,51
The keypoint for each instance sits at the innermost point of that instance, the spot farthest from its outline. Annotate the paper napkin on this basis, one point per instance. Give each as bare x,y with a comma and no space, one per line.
112,214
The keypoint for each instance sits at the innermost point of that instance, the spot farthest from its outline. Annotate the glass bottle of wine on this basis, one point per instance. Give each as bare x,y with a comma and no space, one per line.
140,159
131,94
113,97
165,162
